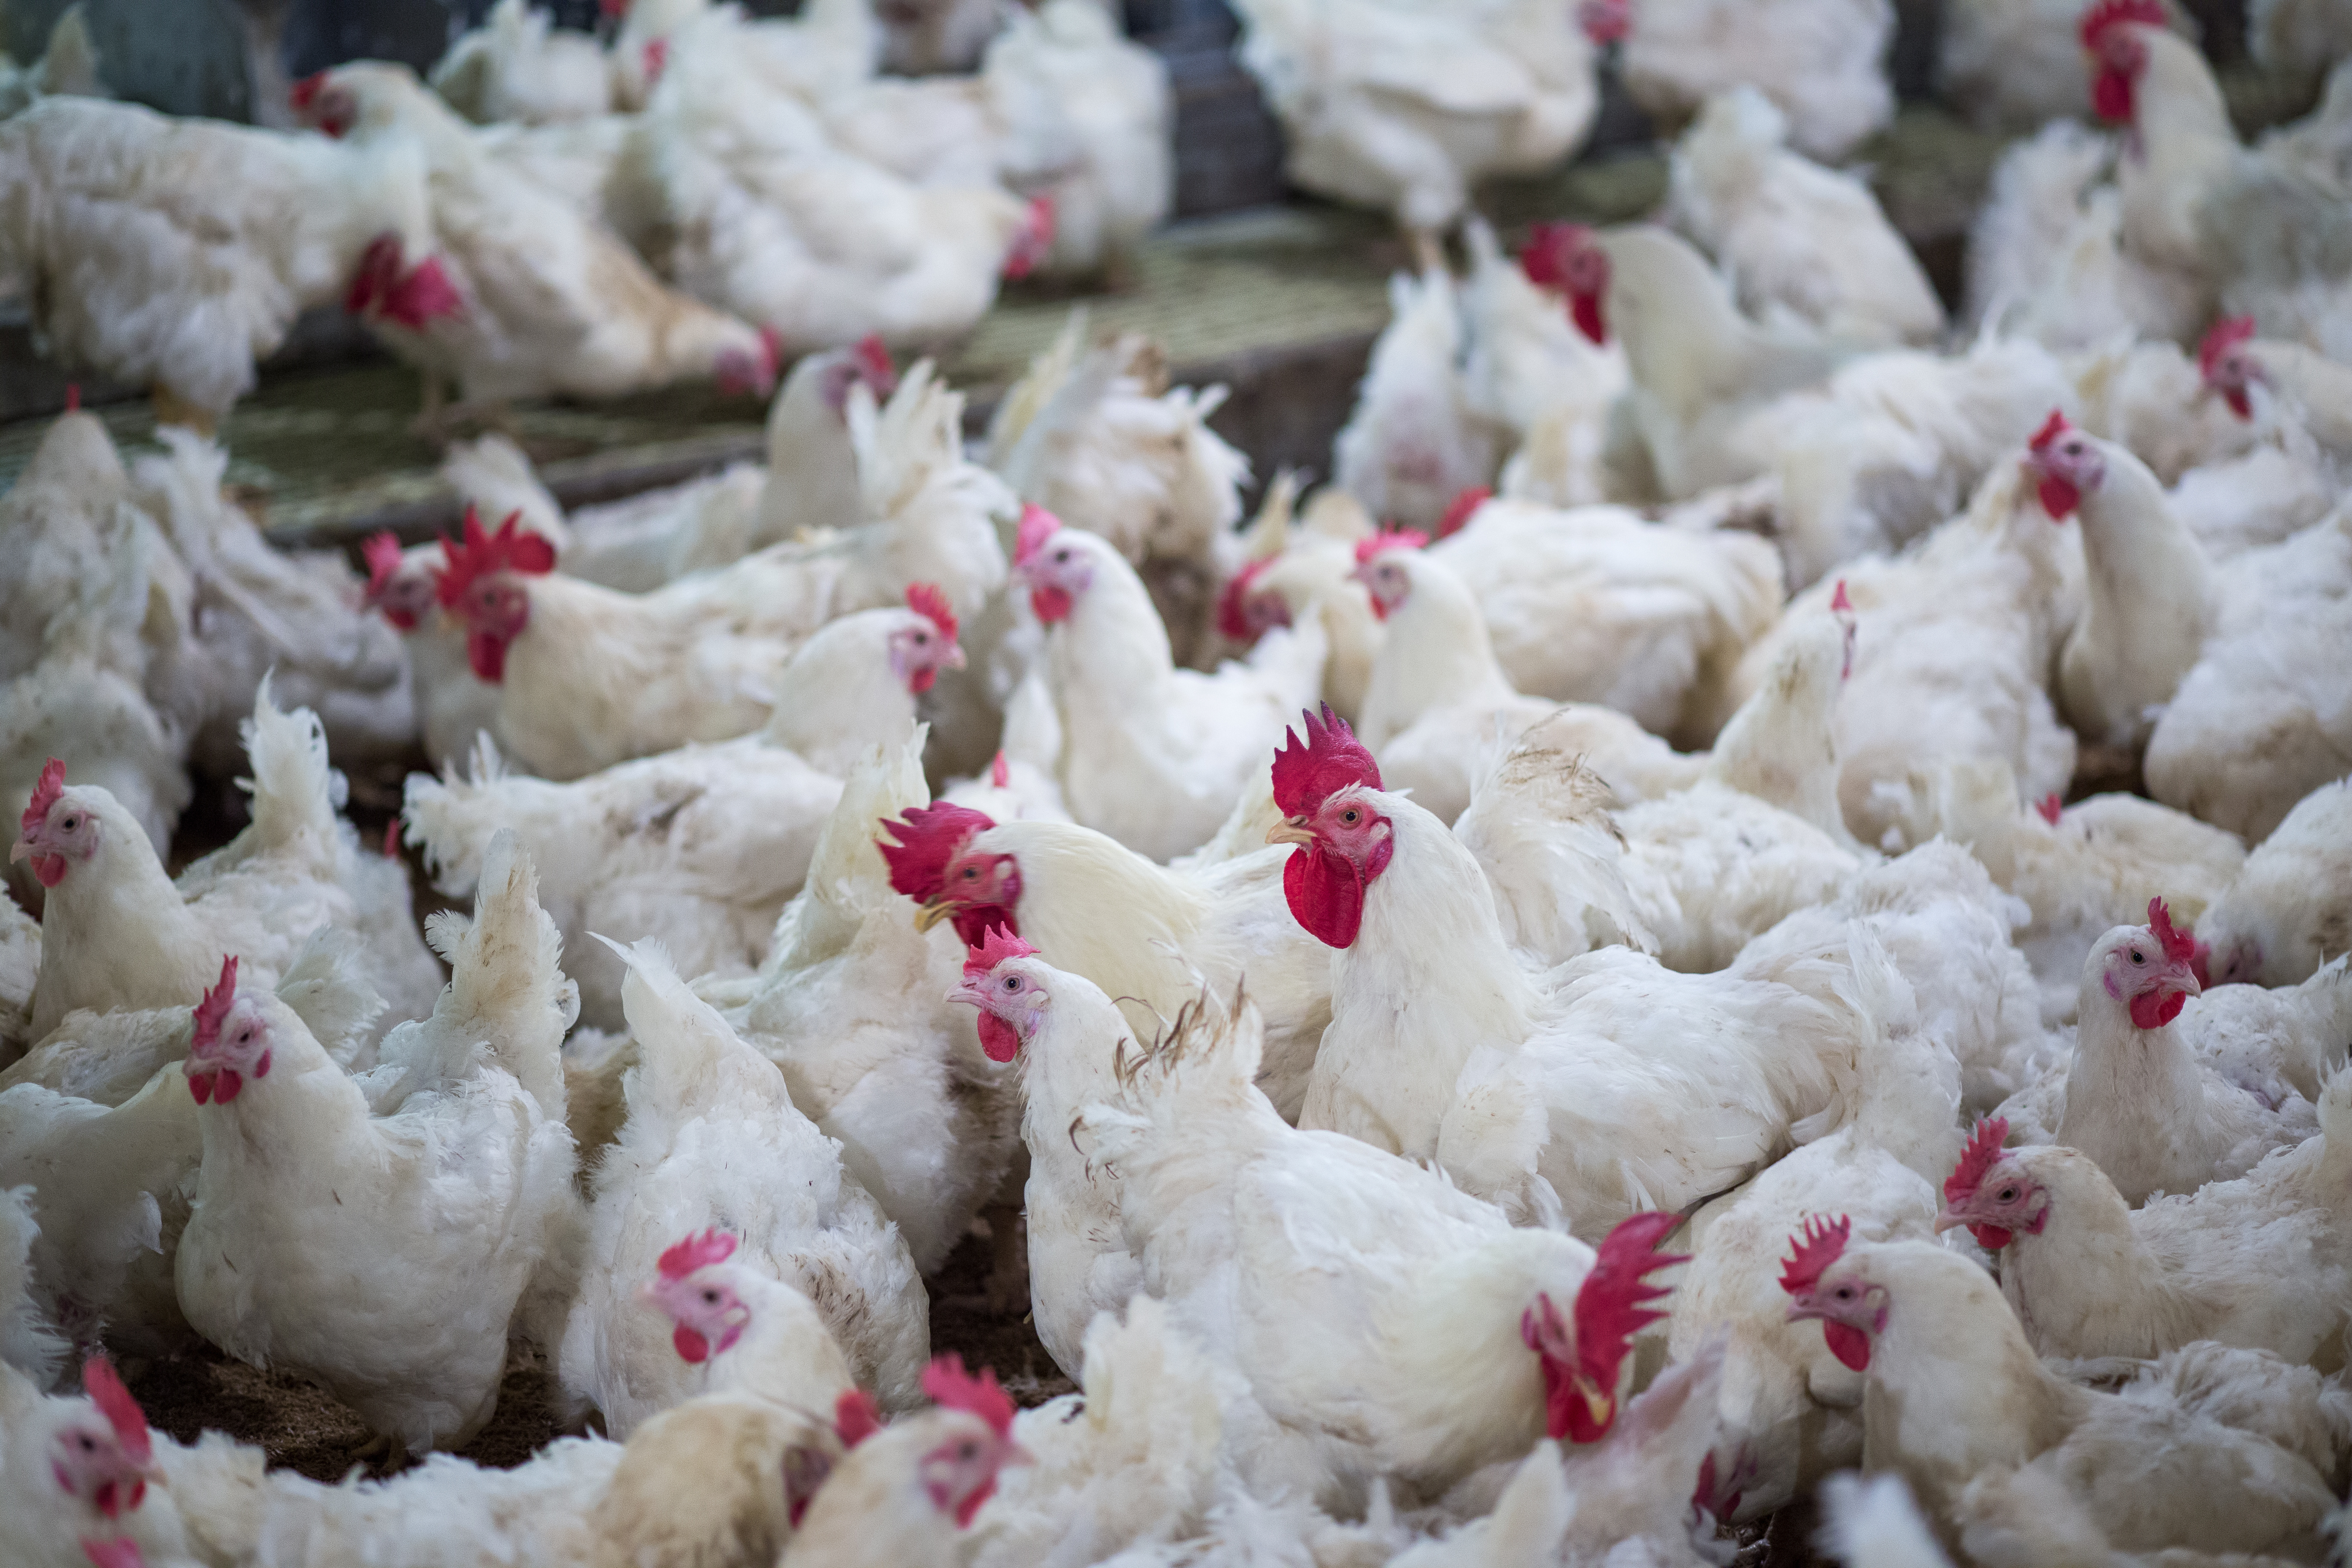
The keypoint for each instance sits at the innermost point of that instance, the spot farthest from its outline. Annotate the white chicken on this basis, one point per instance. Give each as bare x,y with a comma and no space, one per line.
2288,910
1414,441
713,1140
192,245
1791,235
1438,701
926,1123
2135,1097
1403,106
1515,1082
99,1118
2254,725
1593,604
532,299
746,203
451,1168
1819,64
2263,1261
701,846
1530,368
1153,755
1469,1337
1957,1395
117,932
516,65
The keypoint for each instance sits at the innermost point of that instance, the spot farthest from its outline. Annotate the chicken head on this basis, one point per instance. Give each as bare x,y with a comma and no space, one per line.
2064,462
1850,1307
1991,1192
58,830
2227,365
483,585
231,1044
929,864
2110,33
1320,786
1032,241
1011,994
975,1442
2151,969
1567,258
927,644
692,1287
749,370
1052,561
1247,612
1581,1364
1380,567
104,1456
401,590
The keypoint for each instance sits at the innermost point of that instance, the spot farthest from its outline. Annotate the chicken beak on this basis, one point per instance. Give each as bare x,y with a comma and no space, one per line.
1293,831
932,913
1597,1403
20,850
2179,982
954,657
1947,1220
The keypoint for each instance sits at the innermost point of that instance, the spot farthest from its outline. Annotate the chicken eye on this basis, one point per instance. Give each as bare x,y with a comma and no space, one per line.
86,1445
1350,817
2137,956
971,872
712,1296
1013,982
967,1450
2006,1195
1062,556
71,822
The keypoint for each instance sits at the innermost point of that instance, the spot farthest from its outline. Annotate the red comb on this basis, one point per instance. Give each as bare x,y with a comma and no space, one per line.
855,1417
73,398
305,93
2052,428
1037,525
926,600
2227,334
215,1004
2051,806
697,1252
1818,1246
45,795
1309,772
873,358
950,1385
999,772
1389,539
382,553
99,1380
1839,603
929,837
1611,1305
1459,509
479,555
121,1552
998,945
2109,14
1544,259
1233,618
2179,945
611,8
1982,1150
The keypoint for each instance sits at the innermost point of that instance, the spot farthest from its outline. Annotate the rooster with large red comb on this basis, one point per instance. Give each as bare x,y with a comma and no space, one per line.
1388,1323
